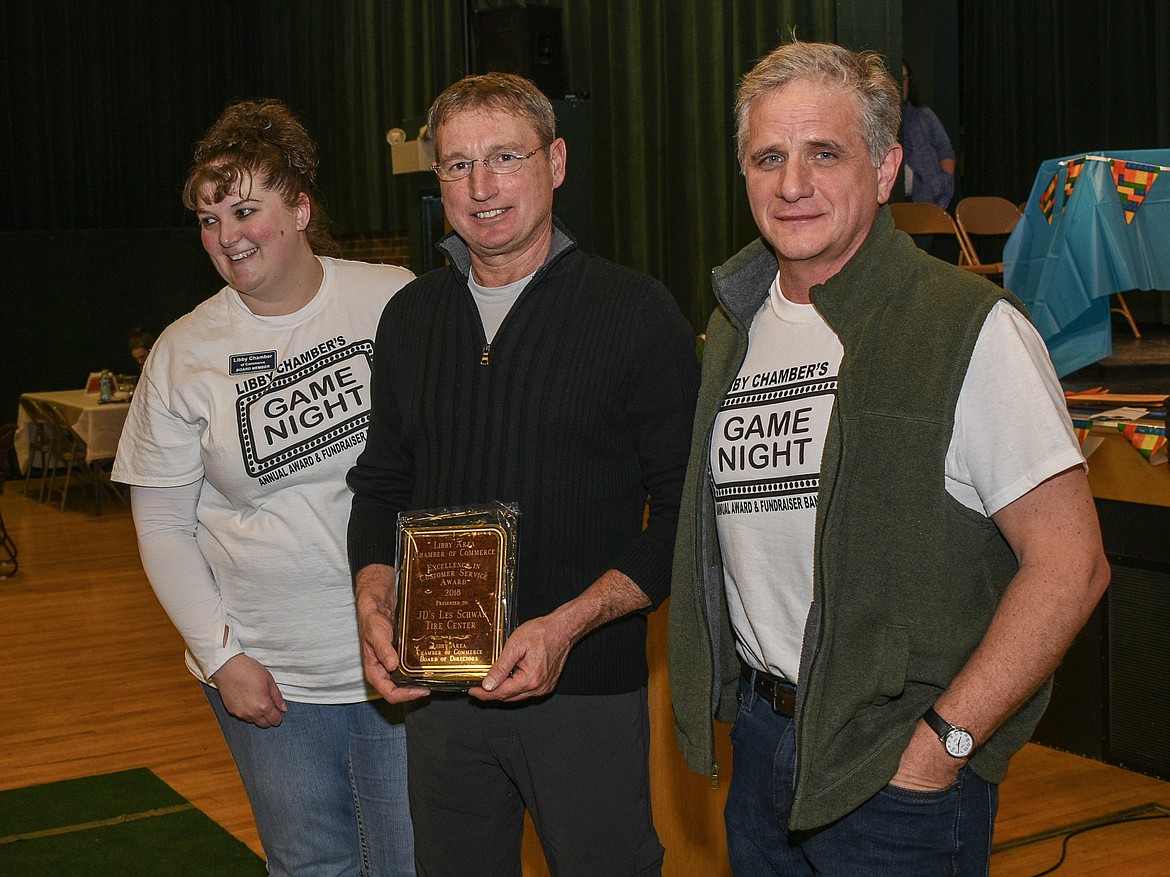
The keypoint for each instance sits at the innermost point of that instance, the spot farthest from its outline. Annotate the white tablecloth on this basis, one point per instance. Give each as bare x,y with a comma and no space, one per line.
100,426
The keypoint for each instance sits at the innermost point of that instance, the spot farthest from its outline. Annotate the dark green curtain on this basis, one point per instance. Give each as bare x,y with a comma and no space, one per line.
668,198
104,101
1057,77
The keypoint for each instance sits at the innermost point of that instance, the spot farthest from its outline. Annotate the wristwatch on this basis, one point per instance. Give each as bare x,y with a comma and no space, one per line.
958,741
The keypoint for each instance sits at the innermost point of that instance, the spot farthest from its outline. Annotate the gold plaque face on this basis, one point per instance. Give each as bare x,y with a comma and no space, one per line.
452,606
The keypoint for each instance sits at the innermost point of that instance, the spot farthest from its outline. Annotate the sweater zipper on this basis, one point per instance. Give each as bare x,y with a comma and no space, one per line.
485,355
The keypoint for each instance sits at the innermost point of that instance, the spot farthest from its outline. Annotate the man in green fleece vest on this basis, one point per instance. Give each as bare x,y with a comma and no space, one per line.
887,539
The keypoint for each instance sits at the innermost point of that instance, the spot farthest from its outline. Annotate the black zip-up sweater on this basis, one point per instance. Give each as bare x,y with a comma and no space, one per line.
579,410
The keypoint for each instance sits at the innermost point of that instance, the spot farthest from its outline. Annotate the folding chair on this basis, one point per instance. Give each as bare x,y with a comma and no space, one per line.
983,215
8,565
1123,309
39,431
925,219
69,450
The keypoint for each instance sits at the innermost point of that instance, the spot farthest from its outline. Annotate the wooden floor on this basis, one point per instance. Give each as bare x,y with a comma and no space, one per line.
92,680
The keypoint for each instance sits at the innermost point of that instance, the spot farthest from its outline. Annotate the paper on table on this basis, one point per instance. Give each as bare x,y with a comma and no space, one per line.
1121,414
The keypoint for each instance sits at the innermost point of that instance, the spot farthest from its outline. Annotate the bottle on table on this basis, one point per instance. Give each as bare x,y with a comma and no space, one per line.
107,386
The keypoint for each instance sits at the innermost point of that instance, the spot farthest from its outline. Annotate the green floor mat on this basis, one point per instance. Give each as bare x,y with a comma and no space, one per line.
126,824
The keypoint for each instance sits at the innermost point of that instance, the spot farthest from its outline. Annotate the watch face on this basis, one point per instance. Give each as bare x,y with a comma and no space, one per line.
959,743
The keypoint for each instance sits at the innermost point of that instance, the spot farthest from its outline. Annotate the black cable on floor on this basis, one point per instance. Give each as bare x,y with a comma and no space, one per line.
1072,834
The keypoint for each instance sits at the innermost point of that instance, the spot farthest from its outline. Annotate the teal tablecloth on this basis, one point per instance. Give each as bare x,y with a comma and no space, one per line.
1065,269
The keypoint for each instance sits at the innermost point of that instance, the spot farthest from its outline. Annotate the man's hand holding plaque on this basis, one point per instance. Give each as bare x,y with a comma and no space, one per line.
535,653
455,595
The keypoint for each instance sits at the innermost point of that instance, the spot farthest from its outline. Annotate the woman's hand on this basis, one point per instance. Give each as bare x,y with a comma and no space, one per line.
249,692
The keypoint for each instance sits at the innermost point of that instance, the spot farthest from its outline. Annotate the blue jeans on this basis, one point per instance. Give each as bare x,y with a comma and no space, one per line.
897,831
327,787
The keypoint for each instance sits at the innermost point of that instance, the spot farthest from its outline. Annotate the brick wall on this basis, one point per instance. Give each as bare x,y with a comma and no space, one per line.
389,248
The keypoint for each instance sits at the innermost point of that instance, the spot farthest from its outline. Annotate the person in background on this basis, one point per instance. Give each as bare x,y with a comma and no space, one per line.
249,413
928,156
893,539
139,344
528,371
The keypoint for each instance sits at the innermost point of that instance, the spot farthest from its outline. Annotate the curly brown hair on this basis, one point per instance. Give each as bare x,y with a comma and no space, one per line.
260,140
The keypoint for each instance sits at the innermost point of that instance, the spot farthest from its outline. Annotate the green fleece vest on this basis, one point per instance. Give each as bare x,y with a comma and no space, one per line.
906,578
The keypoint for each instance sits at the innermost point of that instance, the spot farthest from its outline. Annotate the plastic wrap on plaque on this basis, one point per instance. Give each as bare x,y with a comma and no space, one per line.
456,593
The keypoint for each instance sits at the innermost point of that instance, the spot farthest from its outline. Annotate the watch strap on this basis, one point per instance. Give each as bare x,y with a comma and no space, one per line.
937,723
957,741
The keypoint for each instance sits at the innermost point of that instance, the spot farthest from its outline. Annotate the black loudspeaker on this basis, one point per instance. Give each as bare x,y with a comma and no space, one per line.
1139,691
574,199
525,40
1111,694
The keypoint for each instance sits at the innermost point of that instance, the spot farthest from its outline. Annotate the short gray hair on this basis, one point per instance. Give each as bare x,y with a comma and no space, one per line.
864,74
502,92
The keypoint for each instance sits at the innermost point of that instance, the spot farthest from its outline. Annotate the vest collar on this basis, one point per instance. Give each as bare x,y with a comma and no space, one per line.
868,282
742,282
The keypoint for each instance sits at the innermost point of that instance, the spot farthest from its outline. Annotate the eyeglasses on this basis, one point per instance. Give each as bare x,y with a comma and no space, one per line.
500,163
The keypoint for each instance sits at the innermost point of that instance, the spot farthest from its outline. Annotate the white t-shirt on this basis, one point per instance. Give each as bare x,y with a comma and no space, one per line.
269,413
494,302
1012,431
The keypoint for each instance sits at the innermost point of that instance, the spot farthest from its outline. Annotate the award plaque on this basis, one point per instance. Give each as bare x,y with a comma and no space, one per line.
456,577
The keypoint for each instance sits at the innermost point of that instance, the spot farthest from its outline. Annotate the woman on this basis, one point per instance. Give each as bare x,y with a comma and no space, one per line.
929,156
139,344
250,411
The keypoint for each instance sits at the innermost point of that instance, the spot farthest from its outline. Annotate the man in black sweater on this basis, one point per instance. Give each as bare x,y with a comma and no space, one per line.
527,371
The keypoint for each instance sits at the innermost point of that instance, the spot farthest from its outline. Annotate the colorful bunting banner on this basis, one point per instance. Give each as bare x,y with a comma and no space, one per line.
1047,197
1149,441
1134,181
1070,179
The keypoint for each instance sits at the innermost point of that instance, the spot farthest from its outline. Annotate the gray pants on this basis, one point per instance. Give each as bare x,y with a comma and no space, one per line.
578,764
